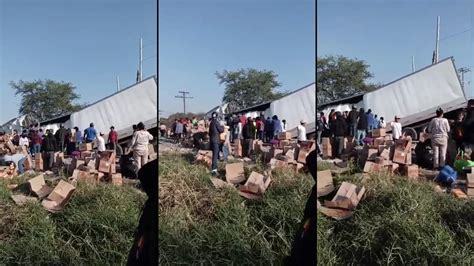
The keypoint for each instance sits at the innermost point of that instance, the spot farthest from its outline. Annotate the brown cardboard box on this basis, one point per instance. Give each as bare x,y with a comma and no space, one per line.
371,167
412,171
380,160
38,186
238,148
85,147
372,153
107,162
287,148
275,163
347,197
255,186
325,141
275,152
28,164
393,168
117,179
39,163
327,151
470,180
388,137
299,167
379,132
234,173
59,197
290,156
324,184
11,147
86,154
83,176
284,135
302,156
379,141
424,136
470,192
58,159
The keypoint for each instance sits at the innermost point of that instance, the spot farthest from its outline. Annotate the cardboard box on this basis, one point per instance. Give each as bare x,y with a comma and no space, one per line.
327,151
379,141
302,156
234,173
372,154
299,167
86,154
39,163
28,164
238,148
347,197
38,186
85,147
117,179
424,136
470,192
11,147
107,162
393,168
59,197
290,156
411,171
378,132
371,167
275,163
324,183
284,135
380,160
326,141
83,176
21,200
470,180
255,186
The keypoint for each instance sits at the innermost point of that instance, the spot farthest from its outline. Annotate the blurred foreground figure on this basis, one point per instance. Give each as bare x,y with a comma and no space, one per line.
303,251
144,249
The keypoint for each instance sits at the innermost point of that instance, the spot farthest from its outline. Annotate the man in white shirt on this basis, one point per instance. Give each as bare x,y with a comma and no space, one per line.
101,142
396,128
302,131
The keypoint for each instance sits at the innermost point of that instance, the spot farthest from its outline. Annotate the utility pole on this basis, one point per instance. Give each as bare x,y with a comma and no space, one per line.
118,84
437,41
463,70
140,62
413,64
184,97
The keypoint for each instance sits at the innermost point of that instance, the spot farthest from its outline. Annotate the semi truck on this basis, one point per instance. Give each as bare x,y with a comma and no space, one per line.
414,97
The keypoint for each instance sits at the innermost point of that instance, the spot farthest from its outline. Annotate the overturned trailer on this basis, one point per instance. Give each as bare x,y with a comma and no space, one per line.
129,106
414,97
293,107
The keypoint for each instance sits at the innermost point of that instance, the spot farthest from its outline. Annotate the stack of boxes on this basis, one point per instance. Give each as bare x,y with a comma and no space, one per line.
384,153
470,184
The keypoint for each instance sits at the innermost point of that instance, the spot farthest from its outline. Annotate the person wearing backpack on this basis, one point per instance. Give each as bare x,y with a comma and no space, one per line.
458,132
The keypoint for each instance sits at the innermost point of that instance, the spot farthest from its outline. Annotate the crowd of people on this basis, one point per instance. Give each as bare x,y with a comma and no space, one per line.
358,124
355,123
35,140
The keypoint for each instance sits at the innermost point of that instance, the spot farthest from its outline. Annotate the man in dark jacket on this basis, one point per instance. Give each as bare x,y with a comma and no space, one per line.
362,127
145,246
268,129
352,120
214,130
61,137
303,251
248,133
50,146
338,128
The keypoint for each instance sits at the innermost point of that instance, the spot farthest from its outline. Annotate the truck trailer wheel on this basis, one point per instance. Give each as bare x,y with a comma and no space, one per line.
408,131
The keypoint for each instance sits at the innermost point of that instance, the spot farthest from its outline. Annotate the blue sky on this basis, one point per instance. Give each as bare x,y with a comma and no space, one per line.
87,43
198,38
386,34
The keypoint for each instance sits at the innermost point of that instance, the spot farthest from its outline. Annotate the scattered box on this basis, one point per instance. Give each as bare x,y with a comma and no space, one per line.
22,199
324,183
117,179
235,173
59,197
85,147
302,156
255,186
378,132
38,186
284,135
379,141
39,163
347,197
372,154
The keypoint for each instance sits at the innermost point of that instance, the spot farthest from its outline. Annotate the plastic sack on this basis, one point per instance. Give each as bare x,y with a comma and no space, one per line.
462,162
446,176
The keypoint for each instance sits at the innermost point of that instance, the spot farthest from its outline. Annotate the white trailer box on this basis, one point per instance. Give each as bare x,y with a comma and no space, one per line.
416,97
137,103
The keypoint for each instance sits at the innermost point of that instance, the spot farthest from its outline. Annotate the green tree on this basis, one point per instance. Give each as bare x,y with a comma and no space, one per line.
339,77
248,87
46,99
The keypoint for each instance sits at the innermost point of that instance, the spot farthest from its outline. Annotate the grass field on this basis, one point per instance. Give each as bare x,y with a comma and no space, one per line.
96,227
399,222
200,224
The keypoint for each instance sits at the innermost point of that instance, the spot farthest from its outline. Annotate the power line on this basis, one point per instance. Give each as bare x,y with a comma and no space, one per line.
456,34
184,97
